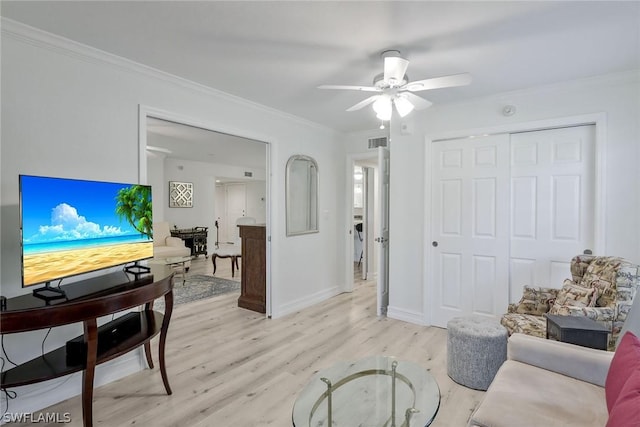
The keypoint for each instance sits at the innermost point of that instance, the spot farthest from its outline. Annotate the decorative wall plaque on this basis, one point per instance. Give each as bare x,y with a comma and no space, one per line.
180,194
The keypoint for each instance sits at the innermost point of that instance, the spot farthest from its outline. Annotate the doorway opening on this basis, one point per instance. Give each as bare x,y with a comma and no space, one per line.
367,249
364,213
174,149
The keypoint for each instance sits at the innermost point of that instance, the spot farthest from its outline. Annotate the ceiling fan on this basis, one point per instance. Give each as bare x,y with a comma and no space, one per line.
394,87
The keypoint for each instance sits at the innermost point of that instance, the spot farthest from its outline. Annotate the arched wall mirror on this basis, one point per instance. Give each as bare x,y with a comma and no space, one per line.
302,195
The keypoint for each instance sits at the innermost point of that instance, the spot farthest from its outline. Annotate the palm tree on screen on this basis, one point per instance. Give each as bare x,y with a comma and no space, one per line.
134,204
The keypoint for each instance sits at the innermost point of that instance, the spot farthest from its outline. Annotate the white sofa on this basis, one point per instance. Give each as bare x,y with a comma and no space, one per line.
550,383
165,245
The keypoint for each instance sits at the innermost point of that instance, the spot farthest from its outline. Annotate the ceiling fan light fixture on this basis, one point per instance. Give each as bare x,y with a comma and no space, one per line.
383,108
403,106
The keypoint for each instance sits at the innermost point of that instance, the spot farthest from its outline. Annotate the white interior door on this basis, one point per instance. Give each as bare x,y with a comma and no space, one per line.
508,211
552,204
383,231
470,227
236,208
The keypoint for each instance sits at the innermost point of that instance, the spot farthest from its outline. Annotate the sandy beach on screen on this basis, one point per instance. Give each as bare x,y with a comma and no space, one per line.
40,268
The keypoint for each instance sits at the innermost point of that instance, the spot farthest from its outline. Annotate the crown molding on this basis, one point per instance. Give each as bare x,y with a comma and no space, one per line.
611,79
64,46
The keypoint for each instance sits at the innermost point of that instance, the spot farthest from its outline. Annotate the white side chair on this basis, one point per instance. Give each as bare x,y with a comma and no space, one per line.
234,250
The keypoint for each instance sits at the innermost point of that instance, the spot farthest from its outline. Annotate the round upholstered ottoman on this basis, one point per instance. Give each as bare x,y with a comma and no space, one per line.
476,348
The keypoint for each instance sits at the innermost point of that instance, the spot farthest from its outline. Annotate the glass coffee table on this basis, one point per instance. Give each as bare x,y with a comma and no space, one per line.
163,267
377,391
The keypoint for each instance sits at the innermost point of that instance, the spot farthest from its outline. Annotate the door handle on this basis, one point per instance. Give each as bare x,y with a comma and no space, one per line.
434,244
587,252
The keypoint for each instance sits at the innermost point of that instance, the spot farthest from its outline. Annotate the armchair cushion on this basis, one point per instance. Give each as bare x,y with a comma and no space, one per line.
601,273
574,295
535,301
165,245
603,315
174,241
529,324
625,361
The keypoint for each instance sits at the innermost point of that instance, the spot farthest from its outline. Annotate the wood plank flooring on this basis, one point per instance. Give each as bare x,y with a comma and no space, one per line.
232,367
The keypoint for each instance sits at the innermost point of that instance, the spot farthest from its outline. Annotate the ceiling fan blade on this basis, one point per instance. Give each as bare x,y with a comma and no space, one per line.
453,80
418,102
394,69
364,103
347,87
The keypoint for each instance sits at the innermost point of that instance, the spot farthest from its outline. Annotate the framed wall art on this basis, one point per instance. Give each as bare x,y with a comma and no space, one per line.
180,194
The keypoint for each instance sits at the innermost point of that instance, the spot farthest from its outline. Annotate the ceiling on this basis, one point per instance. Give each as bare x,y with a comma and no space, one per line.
277,53
179,141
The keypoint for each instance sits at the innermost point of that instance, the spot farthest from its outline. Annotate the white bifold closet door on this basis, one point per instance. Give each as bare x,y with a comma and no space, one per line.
507,211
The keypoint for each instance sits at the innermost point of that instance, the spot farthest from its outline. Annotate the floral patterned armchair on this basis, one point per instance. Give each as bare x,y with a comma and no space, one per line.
602,288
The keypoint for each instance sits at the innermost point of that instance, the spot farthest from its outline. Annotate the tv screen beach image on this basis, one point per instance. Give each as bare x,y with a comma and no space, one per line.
71,227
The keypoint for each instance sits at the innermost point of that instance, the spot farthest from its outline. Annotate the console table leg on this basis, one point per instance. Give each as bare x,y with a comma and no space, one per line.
147,353
91,337
168,304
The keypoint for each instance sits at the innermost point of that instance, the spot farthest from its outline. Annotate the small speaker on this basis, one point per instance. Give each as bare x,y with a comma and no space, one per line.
109,335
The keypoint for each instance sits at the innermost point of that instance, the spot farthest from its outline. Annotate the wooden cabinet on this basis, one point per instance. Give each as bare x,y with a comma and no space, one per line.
253,289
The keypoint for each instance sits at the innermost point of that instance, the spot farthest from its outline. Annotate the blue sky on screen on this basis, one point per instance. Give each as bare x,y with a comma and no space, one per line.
55,209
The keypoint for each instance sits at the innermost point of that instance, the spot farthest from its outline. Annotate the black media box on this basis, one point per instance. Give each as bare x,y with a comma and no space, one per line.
109,335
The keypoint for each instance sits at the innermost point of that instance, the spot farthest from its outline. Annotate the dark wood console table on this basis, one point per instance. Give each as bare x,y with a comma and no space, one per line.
87,301
253,287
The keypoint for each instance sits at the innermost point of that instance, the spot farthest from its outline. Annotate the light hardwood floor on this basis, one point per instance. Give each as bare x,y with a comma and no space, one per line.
232,367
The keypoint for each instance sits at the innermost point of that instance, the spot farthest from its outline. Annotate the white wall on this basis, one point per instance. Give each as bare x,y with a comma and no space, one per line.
616,96
202,175
71,111
257,201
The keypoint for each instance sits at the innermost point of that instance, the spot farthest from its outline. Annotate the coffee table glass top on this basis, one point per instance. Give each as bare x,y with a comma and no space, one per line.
176,259
364,393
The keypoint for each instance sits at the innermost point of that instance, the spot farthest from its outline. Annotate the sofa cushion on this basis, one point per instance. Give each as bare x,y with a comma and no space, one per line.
626,410
526,396
625,361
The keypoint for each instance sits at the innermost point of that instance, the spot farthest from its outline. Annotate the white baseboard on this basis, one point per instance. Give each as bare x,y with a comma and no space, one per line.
307,301
38,396
409,316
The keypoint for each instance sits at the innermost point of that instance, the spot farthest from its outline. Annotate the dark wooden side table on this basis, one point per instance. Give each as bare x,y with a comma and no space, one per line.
577,330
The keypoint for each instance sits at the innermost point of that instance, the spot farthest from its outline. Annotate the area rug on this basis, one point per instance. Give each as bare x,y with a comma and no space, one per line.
198,287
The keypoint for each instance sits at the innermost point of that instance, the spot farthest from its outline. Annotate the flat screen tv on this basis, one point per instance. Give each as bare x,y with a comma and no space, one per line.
70,226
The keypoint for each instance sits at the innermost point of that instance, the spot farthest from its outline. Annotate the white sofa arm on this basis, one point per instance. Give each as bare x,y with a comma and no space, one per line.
174,241
582,363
